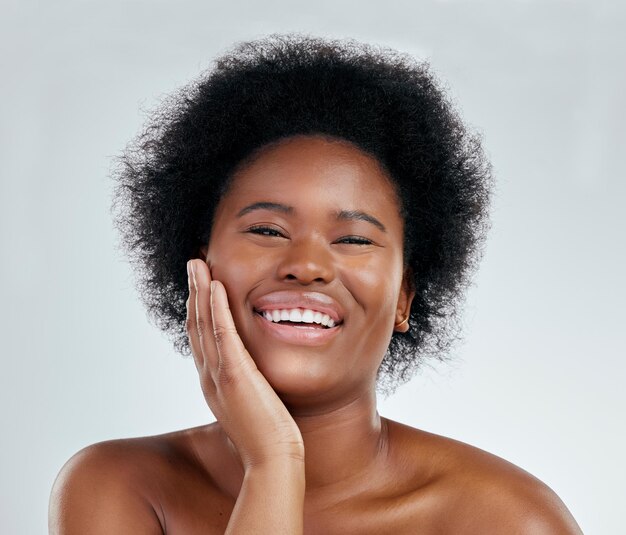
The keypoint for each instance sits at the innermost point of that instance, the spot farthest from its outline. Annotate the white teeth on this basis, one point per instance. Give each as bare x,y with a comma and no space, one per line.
297,315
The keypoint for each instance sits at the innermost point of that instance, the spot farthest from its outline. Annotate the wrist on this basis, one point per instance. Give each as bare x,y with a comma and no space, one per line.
288,460
276,465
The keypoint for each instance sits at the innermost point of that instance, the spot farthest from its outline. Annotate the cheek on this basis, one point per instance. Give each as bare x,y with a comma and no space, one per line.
375,286
233,268
229,263
239,269
375,289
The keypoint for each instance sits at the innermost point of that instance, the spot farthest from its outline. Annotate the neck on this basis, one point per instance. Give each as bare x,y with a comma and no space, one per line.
343,443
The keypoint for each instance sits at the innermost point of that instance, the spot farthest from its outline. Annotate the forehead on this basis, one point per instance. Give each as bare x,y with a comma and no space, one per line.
313,169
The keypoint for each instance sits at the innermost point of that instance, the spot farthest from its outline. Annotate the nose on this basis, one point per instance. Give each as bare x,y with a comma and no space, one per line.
306,262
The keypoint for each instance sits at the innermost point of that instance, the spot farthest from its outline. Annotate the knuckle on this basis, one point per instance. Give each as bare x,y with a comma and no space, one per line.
201,326
225,376
222,334
233,374
190,325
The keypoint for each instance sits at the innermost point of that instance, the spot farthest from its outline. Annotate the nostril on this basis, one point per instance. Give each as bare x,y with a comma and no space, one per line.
305,269
294,277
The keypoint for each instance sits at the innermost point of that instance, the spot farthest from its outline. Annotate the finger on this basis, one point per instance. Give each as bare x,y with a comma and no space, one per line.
201,278
190,322
232,355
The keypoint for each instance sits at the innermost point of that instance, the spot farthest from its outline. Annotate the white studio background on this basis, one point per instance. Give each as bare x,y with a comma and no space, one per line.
539,379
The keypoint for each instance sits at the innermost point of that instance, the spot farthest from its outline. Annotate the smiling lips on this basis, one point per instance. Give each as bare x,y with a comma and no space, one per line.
298,315
309,318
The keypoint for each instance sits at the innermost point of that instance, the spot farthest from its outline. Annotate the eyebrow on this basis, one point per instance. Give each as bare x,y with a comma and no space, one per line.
343,215
358,215
273,206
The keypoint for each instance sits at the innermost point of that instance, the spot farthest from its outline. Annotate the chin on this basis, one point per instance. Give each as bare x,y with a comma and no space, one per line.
299,376
307,391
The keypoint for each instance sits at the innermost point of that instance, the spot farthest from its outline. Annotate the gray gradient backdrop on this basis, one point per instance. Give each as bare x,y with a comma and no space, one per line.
539,379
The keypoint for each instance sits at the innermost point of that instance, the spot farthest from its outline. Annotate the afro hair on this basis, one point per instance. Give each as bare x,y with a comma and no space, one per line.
171,177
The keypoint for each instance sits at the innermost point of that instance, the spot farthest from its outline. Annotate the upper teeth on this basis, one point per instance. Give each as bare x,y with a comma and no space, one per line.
298,315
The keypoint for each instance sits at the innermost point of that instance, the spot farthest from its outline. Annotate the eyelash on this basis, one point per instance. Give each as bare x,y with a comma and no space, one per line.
264,231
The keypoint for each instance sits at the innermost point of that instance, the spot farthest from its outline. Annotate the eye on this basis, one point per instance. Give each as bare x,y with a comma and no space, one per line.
265,231
355,240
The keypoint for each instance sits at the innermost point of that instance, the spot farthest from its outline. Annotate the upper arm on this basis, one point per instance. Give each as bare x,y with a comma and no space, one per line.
491,495
541,512
524,506
96,493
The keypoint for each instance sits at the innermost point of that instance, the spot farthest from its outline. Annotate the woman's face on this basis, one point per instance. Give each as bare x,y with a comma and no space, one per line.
312,224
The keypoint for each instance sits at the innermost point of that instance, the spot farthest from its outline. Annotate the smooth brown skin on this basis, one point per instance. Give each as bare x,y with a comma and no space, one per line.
300,423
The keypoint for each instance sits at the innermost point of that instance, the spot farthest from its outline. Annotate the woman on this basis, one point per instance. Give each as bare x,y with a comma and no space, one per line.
329,206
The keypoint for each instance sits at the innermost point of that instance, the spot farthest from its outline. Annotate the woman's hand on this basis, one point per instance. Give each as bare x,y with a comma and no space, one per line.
244,403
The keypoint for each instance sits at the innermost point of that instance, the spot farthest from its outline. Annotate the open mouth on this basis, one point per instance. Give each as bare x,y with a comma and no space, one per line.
298,318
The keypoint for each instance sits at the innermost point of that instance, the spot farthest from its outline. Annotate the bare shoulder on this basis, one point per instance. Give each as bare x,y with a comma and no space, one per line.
473,491
120,486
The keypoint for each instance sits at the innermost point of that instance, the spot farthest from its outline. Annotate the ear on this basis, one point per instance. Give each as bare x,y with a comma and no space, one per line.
403,308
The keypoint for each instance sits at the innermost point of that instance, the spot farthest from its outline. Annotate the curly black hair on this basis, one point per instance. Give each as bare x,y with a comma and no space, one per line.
171,177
